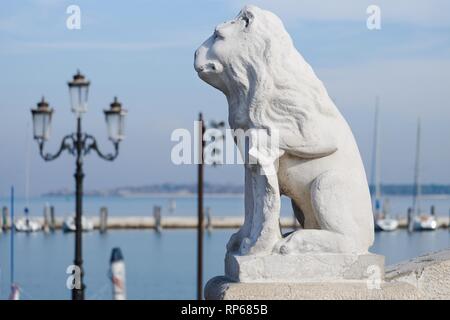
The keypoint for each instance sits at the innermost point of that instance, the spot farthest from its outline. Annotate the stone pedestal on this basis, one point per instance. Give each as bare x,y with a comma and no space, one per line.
306,276
222,288
318,267
330,276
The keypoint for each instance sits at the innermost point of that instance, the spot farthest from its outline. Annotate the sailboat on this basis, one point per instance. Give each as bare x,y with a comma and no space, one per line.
15,292
15,289
385,222
69,224
420,222
25,224
382,221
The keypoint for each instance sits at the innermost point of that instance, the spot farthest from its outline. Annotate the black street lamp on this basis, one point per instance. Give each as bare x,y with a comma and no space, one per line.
200,177
78,144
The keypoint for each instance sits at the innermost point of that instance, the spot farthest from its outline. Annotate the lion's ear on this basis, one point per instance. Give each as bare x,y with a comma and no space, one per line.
247,17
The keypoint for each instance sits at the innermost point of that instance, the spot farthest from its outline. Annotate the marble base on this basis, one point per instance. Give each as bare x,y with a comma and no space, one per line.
222,288
303,268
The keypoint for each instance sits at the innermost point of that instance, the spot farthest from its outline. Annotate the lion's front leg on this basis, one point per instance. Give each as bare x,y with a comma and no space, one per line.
265,227
235,242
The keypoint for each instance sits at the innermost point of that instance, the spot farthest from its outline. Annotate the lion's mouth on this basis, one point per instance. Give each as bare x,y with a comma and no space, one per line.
210,67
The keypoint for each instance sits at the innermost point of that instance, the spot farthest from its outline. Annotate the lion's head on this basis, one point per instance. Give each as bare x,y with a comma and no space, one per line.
253,61
237,49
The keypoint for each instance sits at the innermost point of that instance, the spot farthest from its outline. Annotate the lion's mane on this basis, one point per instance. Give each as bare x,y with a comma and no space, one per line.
271,82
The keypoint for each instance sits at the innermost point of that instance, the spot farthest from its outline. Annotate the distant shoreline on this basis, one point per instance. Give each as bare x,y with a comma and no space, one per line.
169,190
151,195
182,195
216,195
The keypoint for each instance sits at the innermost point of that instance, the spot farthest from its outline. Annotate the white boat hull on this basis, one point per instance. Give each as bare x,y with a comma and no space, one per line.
27,225
424,223
386,224
69,224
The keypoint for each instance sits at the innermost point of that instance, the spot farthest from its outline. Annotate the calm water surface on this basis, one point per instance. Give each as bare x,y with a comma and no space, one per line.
159,266
187,206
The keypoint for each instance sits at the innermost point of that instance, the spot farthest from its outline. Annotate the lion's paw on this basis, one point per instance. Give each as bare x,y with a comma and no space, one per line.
289,245
281,247
235,242
245,246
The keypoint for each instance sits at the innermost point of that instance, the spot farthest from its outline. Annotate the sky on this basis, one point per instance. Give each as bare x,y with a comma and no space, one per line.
142,51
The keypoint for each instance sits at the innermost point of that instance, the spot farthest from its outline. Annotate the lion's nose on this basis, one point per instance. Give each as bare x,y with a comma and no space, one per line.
198,61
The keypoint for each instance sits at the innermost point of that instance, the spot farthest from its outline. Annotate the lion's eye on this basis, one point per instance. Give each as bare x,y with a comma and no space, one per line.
246,20
217,36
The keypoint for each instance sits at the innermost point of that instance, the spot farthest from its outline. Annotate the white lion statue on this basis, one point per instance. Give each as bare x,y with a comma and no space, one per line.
269,86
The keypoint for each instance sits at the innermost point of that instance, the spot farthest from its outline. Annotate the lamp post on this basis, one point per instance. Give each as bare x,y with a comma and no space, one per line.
200,179
78,144
200,213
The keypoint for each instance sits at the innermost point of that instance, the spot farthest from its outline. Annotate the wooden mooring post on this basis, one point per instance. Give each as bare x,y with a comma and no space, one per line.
157,217
52,219
5,218
103,225
46,218
410,220
209,225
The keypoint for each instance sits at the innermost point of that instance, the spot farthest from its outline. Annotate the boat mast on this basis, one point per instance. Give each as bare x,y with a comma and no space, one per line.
27,172
417,187
376,162
11,249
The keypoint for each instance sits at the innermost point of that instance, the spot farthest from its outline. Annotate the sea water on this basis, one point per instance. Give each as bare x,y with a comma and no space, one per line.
158,265
220,205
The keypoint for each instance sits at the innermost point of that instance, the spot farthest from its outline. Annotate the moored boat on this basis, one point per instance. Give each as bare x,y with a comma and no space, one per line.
420,222
424,223
25,224
69,224
386,224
